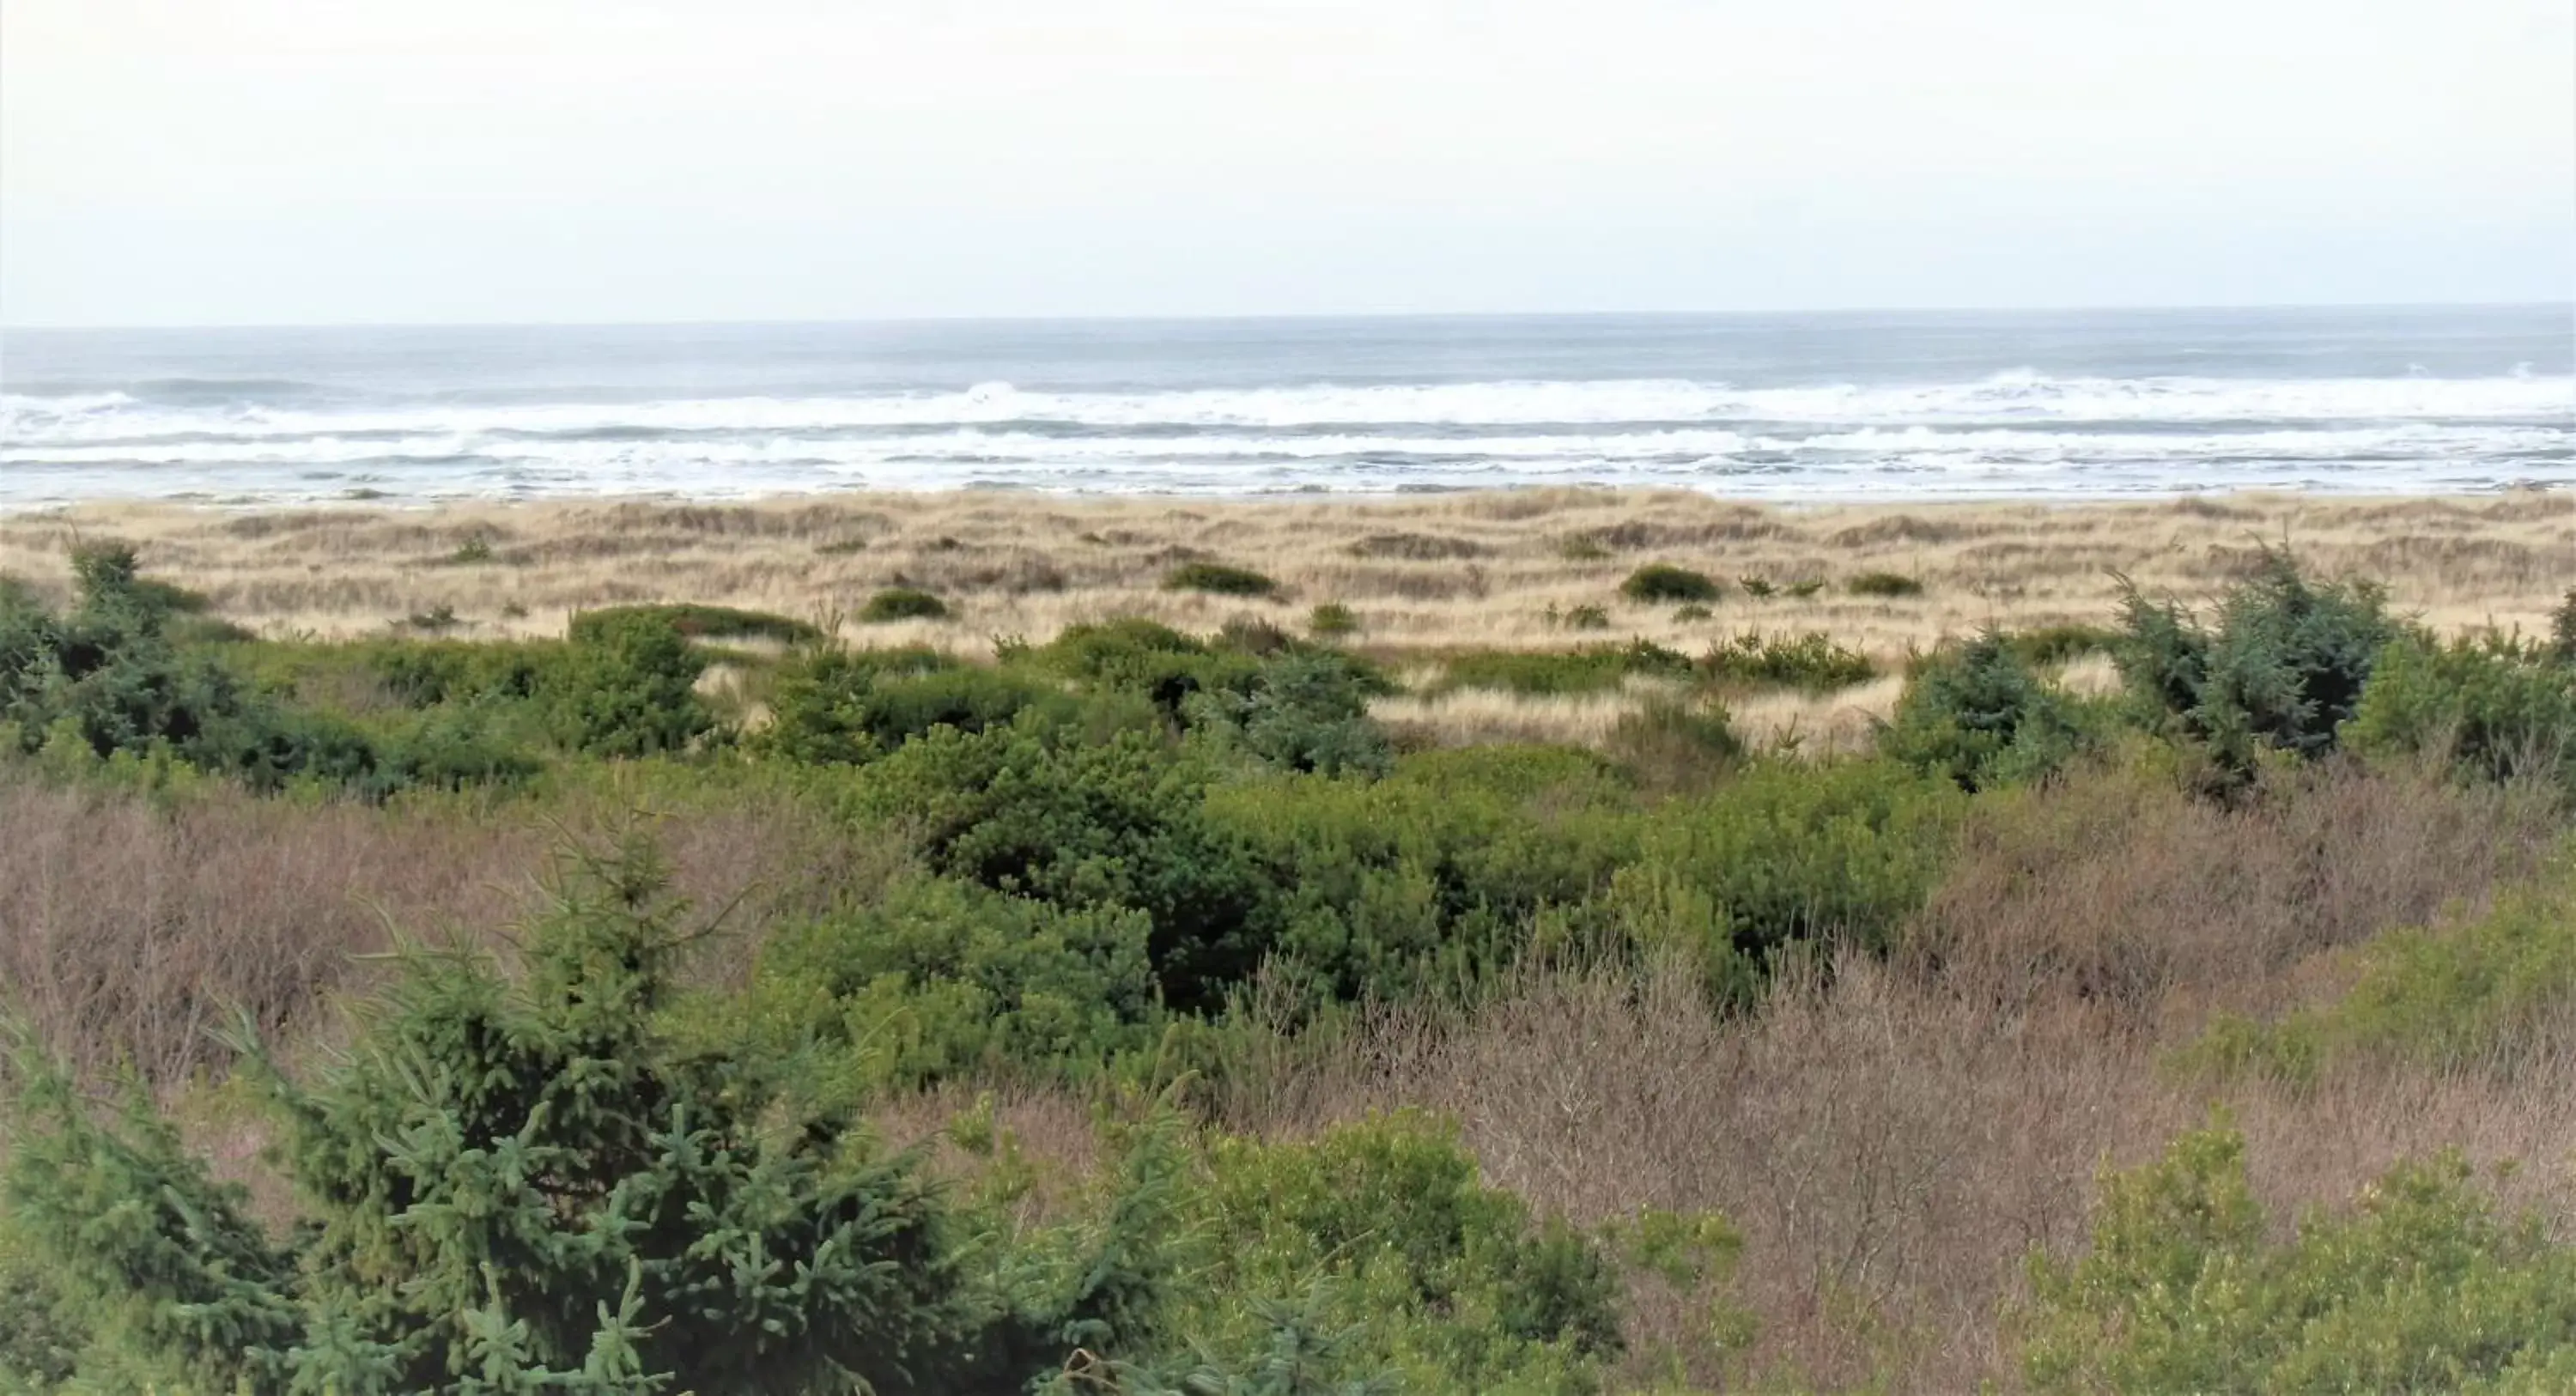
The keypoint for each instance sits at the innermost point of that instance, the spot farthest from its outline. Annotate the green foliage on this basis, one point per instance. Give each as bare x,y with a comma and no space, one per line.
2494,707
1436,1279
1119,823
1785,854
1138,656
701,622
1302,712
1687,615
1883,584
1219,578
1579,617
1660,582
522,1185
942,978
1430,879
1582,547
627,686
473,552
2421,1288
2283,668
1332,620
1542,672
109,676
841,705
902,603
2473,993
1976,714
1759,588
1811,661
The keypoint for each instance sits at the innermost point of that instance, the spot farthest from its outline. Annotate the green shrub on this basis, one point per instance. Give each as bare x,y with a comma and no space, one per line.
473,552
426,673
1785,854
1686,615
1132,655
1219,578
841,705
1976,714
1811,661
2495,708
1884,584
2488,992
1542,672
1582,547
2283,668
1332,620
1302,712
1759,588
520,1185
902,603
108,677
700,622
2422,1287
1446,1283
1658,582
942,978
1120,823
1806,588
1427,881
626,686
1579,618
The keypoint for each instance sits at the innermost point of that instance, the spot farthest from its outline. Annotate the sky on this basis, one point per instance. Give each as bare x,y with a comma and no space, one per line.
180,162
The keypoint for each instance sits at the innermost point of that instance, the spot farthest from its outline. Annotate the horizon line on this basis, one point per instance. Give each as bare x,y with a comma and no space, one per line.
2566,305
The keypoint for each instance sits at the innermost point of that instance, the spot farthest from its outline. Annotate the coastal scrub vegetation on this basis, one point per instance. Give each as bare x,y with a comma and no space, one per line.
1134,1011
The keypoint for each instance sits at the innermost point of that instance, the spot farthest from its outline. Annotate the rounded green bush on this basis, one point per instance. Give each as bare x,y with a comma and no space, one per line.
1886,584
1661,581
1219,578
902,603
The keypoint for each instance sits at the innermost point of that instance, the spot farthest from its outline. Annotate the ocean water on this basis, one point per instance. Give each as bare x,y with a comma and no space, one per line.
1801,407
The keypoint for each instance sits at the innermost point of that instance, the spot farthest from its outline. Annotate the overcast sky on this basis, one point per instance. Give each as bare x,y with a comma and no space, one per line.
293,161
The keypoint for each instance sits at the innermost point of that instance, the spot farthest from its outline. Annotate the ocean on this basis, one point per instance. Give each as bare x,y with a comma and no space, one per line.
1783,407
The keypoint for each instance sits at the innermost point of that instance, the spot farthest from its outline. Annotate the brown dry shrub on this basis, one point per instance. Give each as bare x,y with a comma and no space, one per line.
2121,888
129,929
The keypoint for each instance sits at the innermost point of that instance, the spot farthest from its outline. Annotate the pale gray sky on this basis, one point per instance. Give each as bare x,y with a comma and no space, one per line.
293,161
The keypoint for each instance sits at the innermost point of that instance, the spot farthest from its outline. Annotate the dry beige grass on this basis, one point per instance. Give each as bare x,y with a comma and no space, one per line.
1424,574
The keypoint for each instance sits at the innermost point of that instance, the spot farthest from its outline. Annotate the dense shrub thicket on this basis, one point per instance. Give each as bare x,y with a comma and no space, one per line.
2422,1288
2489,993
2495,707
1098,851
522,1183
